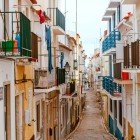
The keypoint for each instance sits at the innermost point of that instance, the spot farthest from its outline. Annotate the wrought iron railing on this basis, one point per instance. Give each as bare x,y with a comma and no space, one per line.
15,36
110,41
110,86
57,17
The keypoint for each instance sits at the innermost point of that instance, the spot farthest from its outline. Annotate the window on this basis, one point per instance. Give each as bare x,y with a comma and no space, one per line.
109,25
119,14
120,112
110,65
115,109
110,105
38,116
114,58
61,59
114,21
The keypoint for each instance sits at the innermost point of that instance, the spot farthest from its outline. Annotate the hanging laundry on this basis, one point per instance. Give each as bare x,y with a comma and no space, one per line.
49,47
18,41
61,59
41,16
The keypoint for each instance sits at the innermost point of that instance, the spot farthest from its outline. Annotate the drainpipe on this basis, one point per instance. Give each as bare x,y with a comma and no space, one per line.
4,21
59,118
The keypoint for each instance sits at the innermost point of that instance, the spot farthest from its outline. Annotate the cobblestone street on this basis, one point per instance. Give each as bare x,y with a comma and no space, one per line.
91,127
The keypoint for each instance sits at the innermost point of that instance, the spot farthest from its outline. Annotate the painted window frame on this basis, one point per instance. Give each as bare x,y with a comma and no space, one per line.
119,13
115,109
38,117
110,26
120,113
111,105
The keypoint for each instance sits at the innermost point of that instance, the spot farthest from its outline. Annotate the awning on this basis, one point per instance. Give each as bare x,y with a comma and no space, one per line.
109,12
106,18
125,24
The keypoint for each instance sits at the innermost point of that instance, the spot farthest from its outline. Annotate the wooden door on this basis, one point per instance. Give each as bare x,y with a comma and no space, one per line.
130,131
7,110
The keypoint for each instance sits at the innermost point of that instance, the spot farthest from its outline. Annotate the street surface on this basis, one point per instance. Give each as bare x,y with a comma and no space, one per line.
91,127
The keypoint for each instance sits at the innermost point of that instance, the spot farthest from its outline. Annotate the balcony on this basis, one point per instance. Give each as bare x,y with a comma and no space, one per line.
121,77
132,56
15,36
58,20
45,80
70,89
112,88
109,44
41,79
60,76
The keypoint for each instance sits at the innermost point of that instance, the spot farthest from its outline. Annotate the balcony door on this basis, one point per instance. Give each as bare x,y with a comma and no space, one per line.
7,111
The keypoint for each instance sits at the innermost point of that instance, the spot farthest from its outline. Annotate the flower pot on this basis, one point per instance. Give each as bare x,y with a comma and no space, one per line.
7,46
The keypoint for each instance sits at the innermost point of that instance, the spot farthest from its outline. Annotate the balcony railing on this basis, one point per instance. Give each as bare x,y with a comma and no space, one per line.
132,55
110,41
110,86
57,17
15,35
60,76
41,79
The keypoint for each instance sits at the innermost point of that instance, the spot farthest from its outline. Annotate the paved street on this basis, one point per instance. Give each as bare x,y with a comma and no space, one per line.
91,127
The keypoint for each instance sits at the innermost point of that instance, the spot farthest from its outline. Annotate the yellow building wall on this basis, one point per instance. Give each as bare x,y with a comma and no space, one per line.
27,88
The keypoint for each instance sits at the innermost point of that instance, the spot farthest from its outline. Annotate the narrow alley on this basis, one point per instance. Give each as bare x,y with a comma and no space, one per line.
91,127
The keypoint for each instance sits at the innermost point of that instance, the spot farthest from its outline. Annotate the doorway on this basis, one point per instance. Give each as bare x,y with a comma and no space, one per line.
7,111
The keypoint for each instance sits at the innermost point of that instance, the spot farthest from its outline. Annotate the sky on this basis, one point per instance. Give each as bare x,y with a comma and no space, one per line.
90,13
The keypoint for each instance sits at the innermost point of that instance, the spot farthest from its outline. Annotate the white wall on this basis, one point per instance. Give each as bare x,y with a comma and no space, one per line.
119,52
7,75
